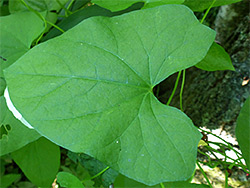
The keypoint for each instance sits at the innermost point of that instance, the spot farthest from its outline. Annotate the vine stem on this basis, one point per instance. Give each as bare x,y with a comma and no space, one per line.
175,87
207,11
204,174
162,185
226,179
46,22
105,169
182,88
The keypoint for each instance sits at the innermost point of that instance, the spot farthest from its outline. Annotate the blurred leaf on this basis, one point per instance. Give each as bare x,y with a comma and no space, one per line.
78,4
216,59
68,180
7,180
200,5
95,166
243,131
121,4
202,143
39,161
38,5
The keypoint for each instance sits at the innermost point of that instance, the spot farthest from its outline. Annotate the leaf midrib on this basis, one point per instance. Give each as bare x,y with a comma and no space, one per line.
85,78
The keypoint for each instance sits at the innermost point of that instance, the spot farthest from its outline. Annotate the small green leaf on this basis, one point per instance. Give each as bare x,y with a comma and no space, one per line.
91,90
200,5
17,33
121,4
216,59
7,180
39,161
68,180
18,135
38,5
243,131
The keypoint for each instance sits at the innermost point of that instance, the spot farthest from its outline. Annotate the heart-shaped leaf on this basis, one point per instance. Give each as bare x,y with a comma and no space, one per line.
91,90
121,4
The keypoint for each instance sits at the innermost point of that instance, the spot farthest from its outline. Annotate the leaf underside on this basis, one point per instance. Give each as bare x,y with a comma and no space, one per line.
90,90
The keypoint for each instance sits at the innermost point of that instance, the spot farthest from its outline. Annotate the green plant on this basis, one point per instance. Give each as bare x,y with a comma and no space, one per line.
90,90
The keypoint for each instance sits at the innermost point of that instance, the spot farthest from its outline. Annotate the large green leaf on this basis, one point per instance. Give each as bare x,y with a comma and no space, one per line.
121,4
243,131
68,180
17,33
91,90
39,160
38,5
16,134
216,59
200,5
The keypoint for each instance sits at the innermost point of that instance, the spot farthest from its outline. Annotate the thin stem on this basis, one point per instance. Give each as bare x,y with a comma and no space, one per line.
55,26
175,87
204,174
157,91
182,87
215,136
39,15
206,13
227,146
66,10
210,148
162,185
93,177
70,4
226,179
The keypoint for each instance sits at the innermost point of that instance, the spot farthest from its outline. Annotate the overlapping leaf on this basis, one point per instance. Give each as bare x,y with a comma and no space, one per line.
90,90
39,161
38,5
216,59
121,4
17,33
18,135
66,179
